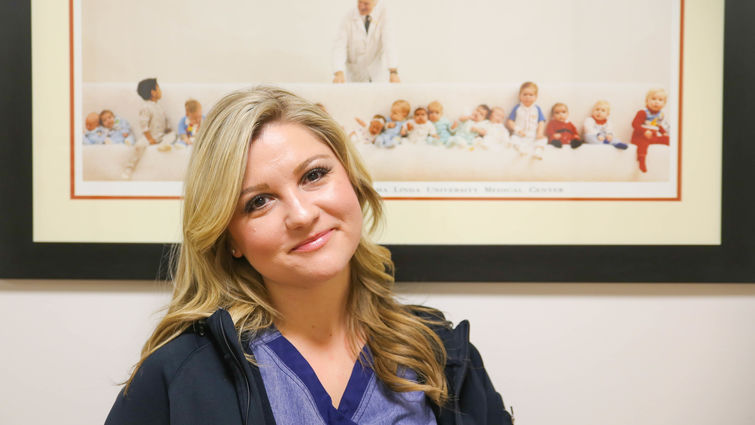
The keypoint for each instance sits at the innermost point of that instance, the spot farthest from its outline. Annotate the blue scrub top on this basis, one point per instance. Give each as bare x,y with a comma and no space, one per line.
297,396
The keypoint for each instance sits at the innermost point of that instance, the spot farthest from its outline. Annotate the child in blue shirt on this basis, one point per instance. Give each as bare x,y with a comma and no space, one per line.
188,126
527,123
391,134
443,126
117,129
94,134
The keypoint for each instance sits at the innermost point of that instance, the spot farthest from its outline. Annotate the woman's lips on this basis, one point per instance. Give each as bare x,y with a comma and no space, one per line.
315,242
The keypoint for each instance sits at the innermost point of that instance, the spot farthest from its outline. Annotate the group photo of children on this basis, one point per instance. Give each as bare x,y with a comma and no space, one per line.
535,100
519,133
525,129
153,127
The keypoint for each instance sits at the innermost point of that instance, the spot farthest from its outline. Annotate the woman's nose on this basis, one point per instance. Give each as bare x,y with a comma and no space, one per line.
302,211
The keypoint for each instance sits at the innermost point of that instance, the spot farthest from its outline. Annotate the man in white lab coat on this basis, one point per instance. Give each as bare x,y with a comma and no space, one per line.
365,49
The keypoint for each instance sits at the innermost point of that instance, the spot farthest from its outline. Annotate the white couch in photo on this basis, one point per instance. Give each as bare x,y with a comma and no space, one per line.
406,162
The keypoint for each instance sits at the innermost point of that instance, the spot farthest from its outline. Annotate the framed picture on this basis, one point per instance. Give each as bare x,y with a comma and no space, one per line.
463,151
701,233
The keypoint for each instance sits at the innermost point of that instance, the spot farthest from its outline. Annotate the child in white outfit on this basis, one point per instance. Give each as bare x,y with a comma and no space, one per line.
153,124
598,128
419,129
368,134
494,131
527,123
472,128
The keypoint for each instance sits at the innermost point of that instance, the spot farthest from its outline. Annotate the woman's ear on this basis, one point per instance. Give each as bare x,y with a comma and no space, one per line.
233,249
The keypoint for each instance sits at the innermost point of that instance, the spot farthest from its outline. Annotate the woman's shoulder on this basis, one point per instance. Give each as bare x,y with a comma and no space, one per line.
455,339
187,368
428,314
169,359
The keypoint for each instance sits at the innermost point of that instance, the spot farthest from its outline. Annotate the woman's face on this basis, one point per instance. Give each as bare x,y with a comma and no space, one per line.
298,219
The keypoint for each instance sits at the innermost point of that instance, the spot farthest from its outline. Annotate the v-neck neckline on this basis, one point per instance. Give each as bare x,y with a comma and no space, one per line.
360,377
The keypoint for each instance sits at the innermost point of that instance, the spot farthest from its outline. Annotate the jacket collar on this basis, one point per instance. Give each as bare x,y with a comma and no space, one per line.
455,340
255,408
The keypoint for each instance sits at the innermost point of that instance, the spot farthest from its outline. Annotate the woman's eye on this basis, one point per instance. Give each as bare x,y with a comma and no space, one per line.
256,203
315,174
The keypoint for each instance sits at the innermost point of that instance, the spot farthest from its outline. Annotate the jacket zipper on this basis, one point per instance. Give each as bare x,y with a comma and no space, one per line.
461,375
240,369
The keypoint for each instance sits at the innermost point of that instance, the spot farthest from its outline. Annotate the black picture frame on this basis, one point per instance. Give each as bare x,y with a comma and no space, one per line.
732,261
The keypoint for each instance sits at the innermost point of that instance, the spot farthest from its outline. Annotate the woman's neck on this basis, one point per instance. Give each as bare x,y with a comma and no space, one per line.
314,313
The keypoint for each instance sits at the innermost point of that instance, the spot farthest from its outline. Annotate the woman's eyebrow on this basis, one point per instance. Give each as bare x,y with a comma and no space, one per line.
256,188
299,168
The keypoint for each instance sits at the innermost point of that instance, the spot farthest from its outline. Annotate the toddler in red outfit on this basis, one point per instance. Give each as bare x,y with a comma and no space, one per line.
560,131
650,125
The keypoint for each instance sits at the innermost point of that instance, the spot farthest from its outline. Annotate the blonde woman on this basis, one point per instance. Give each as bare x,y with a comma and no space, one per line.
282,309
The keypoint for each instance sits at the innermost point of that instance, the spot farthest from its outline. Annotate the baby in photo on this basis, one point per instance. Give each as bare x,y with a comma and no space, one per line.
472,127
560,131
94,133
443,127
598,129
494,131
368,134
118,129
153,122
391,135
527,123
650,125
188,125
419,129
153,125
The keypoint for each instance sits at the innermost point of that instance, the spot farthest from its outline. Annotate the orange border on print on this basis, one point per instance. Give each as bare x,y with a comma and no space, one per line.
73,141
678,159
71,97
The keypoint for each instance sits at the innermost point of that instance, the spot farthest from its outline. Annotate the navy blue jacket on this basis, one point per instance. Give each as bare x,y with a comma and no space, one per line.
202,377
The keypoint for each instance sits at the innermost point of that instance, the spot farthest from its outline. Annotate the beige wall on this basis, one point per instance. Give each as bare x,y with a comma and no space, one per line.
560,353
438,40
618,354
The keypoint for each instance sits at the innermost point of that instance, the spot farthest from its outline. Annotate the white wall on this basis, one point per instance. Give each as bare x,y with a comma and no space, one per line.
548,41
603,354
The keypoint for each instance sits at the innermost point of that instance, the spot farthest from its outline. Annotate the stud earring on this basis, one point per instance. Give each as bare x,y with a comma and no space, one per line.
233,251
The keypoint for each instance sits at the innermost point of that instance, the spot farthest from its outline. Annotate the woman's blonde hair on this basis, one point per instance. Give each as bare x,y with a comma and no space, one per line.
208,277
